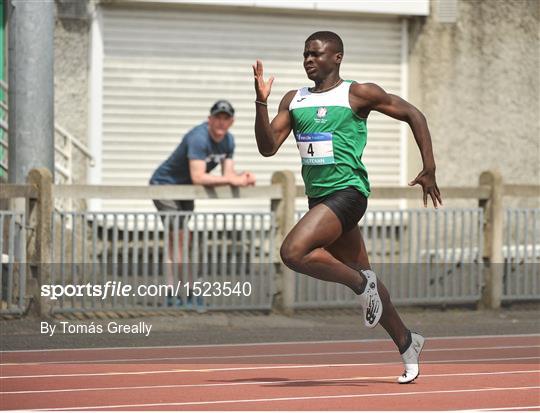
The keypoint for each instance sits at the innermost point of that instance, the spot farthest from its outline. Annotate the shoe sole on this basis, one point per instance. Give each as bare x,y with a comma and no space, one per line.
377,318
379,315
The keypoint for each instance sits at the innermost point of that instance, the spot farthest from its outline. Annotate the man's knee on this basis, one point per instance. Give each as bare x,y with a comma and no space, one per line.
292,255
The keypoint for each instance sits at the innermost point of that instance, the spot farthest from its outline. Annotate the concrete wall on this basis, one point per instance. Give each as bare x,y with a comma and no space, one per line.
477,81
71,75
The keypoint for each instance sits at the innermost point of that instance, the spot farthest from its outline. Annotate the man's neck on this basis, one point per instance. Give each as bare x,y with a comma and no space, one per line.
327,83
215,138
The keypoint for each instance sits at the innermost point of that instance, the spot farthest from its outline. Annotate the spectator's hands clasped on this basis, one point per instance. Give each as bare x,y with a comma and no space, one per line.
243,179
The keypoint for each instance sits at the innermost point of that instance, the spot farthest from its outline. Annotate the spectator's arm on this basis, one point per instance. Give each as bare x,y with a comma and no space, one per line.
227,169
199,176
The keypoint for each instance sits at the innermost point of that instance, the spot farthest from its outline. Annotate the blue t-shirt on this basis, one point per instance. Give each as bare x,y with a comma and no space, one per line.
196,144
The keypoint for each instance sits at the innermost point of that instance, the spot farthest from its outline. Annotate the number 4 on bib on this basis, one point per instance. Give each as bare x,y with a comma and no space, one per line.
315,148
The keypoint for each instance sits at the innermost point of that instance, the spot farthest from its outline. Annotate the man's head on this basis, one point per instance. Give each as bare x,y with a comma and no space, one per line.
220,120
323,52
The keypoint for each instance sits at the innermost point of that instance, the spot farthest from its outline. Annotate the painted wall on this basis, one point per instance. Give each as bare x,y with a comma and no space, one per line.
477,81
3,53
71,74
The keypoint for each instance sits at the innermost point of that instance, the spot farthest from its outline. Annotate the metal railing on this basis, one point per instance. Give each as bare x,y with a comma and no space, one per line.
423,256
426,256
521,254
13,298
65,146
213,252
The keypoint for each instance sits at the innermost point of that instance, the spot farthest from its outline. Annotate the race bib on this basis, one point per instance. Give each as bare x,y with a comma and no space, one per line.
315,148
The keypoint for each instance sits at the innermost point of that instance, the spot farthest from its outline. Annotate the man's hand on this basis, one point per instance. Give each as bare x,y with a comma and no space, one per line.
426,178
262,88
251,178
243,179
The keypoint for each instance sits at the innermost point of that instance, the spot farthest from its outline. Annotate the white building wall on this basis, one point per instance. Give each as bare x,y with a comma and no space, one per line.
164,67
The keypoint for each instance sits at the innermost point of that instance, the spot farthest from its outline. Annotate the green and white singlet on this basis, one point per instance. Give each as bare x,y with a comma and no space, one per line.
331,139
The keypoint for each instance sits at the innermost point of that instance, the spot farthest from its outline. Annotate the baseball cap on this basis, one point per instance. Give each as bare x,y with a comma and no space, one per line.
222,106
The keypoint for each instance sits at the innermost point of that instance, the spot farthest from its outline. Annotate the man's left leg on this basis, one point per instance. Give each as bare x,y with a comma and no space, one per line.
350,249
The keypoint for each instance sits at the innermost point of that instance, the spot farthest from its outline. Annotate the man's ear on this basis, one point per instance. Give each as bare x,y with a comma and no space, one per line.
339,57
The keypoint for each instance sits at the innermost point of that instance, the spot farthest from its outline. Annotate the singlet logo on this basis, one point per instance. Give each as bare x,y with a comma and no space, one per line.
321,115
321,112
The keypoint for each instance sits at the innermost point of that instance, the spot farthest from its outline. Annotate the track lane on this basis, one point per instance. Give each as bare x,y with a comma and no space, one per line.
271,388
294,385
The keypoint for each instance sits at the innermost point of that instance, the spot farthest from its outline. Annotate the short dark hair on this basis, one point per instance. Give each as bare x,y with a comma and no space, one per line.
328,37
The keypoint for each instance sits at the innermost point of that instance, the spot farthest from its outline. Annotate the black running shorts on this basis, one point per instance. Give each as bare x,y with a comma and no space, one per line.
348,204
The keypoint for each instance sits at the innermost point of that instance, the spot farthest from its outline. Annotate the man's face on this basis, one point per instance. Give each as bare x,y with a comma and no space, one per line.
219,124
320,59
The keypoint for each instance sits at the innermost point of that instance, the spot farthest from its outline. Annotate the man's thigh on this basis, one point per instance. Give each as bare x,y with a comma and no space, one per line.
350,249
319,227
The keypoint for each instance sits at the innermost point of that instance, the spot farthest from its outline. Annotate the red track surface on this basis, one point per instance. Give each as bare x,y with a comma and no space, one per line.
492,372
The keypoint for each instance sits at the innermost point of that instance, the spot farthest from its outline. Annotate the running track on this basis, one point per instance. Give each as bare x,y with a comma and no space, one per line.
483,372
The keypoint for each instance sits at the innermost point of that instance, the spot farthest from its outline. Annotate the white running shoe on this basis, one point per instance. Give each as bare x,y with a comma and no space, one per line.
410,359
370,301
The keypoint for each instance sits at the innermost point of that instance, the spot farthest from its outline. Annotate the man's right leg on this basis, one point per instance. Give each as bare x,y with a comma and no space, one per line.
180,244
303,249
173,256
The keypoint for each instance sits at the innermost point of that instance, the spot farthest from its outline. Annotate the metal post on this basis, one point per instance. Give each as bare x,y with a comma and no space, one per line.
31,86
284,210
493,240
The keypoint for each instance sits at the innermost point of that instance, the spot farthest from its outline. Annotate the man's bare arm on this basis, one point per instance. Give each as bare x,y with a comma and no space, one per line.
368,96
270,135
228,169
199,176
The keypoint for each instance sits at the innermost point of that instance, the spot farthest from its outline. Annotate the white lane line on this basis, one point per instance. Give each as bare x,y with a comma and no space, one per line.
329,353
369,340
276,367
492,409
251,383
281,399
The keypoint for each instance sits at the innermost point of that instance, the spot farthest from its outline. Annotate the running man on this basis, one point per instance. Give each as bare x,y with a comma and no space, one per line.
329,124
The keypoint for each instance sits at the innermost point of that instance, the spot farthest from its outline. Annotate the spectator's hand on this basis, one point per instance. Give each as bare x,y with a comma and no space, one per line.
239,180
426,178
262,88
251,178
